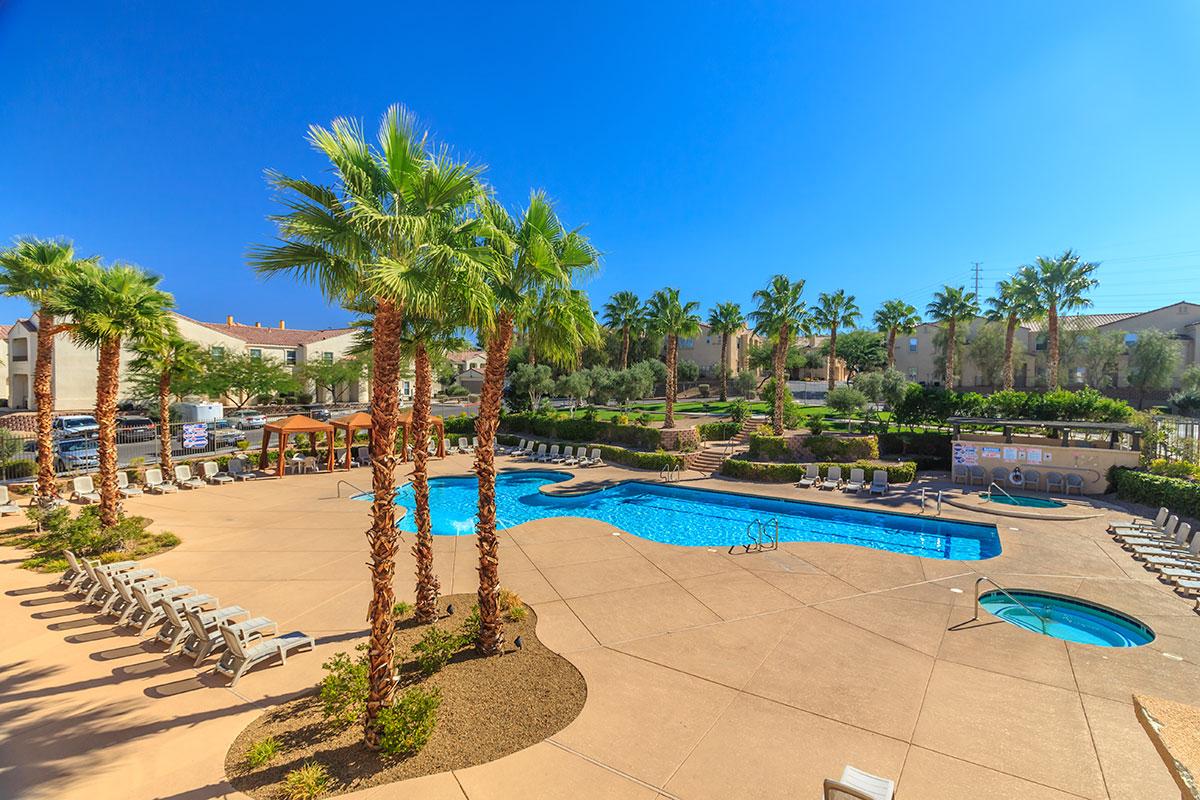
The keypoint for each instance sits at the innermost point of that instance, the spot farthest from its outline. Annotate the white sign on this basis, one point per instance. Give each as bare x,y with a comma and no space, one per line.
1034,455
1010,454
965,454
195,436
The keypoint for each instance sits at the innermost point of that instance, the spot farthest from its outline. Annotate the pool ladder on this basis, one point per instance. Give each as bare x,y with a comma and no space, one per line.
939,501
669,474
1006,593
760,535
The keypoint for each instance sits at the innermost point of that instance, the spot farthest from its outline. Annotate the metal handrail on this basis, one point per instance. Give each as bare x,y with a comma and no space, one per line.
351,485
756,543
1001,488
1006,593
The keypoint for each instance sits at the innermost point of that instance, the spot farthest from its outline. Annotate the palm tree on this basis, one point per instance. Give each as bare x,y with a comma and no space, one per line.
727,320
950,306
780,313
165,359
34,269
530,255
1058,284
559,324
668,317
834,311
1014,303
624,312
108,306
381,239
893,317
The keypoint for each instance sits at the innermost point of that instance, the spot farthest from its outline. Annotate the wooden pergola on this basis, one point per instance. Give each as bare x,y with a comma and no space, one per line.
358,421
288,427
406,429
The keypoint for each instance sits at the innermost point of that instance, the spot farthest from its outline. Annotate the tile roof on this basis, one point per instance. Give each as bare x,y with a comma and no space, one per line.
1082,322
5,330
279,337
465,355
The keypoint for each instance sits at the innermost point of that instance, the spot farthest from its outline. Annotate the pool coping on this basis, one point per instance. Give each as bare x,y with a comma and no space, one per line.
1010,591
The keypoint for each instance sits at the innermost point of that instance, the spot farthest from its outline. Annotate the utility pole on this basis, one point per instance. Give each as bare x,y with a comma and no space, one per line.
976,270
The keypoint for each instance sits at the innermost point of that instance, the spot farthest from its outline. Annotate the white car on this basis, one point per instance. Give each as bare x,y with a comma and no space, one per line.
247,419
75,426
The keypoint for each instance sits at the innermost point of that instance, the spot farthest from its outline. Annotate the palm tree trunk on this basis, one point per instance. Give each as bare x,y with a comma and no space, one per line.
1052,332
422,549
948,380
780,365
891,348
672,380
724,367
625,348
43,394
107,377
491,626
832,357
164,428
1009,334
382,536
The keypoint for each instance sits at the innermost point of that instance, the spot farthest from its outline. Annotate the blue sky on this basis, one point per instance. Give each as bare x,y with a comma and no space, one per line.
880,148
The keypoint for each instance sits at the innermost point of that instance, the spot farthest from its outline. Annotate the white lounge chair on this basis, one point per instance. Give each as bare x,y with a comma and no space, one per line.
474,443
595,458
362,456
463,447
94,591
77,577
184,478
156,484
812,474
204,636
858,785
551,456
1169,535
572,459
83,489
1181,561
517,450
857,482
1176,574
833,478
568,452
1140,523
241,656
237,468
7,506
539,454
116,597
1188,586
175,628
450,449
146,612
123,487
212,473
879,481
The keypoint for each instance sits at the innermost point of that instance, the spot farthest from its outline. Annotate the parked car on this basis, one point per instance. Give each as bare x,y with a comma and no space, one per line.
71,455
247,419
75,426
319,413
132,428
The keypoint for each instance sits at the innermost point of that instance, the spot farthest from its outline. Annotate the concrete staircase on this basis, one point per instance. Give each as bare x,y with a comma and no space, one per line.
710,459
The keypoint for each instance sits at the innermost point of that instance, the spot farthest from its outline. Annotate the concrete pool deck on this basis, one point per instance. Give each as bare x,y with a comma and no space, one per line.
709,675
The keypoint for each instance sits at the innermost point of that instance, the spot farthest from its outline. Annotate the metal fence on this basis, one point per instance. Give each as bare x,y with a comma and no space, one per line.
1180,437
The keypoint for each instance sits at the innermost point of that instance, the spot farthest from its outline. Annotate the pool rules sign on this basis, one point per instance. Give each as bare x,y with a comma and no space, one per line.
965,454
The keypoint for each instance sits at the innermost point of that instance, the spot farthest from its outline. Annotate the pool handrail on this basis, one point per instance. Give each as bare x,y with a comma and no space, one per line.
351,485
1006,593
757,542
1001,488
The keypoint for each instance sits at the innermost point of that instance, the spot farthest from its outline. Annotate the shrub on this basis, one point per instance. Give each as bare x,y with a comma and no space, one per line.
816,424
717,431
307,782
846,400
19,468
766,447
401,609
583,429
739,410
898,472
1181,496
343,690
639,460
406,726
456,390
842,448
704,389
1175,469
436,648
262,752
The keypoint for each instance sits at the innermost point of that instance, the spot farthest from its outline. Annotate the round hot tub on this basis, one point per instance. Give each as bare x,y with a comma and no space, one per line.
1023,501
1068,618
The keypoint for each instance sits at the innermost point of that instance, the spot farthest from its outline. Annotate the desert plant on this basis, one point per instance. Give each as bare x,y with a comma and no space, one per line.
405,727
306,782
343,690
437,647
262,752
401,609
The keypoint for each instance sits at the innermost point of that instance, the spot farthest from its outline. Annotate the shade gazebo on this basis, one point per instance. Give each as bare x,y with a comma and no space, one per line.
288,427
358,421
406,429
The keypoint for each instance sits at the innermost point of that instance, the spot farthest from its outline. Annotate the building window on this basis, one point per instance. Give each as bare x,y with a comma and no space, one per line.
912,345
407,388
912,374
256,354
687,344
328,358
289,356
1130,339
217,351
1079,375
1039,343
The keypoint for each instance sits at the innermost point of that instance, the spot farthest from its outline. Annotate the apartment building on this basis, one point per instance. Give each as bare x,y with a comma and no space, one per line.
705,351
919,357
74,374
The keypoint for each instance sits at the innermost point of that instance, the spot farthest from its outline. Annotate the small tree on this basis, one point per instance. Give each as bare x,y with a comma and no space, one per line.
1099,353
534,380
239,378
688,371
987,350
1153,359
885,386
333,376
860,351
745,383
577,386
846,400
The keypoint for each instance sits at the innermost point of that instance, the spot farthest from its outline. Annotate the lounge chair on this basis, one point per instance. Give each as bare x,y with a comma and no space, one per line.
858,785
879,481
144,612
98,587
514,451
1169,534
978,475
572,459
551,456
362,456
450,449
123,487
595,458
156,484
474,443
1033,480
184,478
237,470
310,464
212,473
833,479
857,482
77,574
1054,480
83,489
1180,545
1188,586
1176,574
241,656
1141,523
204,635
567,452
1074,481
463,447
7,506
115,597
812,474
540,454
175,628
1180,561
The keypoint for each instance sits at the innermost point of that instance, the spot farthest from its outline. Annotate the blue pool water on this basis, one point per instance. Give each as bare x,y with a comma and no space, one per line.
1067,618
697,517
1024,500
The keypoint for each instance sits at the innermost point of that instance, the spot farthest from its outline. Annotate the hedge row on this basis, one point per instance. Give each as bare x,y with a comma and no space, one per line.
639,460
1181,496
898,472
581,429
932,405
717,431
842,448
766,447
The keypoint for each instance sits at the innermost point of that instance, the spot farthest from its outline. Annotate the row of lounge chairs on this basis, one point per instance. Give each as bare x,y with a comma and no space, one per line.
1031,479
83,488
1164,545
833,480
191,623
569,456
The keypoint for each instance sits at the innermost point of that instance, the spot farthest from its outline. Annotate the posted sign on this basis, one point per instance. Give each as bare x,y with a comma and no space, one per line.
195,436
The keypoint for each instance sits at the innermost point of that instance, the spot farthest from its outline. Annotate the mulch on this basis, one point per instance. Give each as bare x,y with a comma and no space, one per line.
491,707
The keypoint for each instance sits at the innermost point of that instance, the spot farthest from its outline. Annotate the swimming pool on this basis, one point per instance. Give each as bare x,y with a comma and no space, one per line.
1024,501
1067,618
698,517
